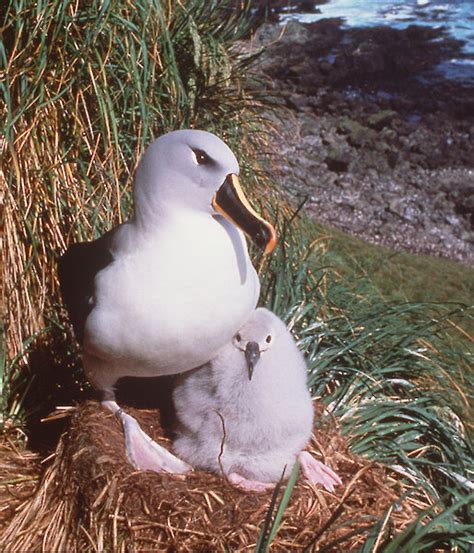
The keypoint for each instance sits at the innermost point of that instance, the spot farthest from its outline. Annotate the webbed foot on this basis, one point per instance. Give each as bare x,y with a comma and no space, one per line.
143,452
247,485
318,473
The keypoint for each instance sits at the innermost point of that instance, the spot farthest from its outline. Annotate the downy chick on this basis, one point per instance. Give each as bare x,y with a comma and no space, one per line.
248,412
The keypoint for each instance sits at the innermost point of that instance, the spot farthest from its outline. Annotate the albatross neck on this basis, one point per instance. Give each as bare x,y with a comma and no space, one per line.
158,220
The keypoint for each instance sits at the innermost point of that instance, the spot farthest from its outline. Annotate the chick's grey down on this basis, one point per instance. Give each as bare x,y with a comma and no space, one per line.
161,293
263,423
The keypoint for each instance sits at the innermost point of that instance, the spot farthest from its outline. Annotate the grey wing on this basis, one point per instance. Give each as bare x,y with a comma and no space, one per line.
77,269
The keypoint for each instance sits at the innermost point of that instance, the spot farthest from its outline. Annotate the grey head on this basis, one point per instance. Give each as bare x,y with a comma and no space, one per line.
182,168
259,336
197,172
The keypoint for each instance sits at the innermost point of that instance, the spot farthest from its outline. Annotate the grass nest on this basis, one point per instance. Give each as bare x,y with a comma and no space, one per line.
19,474
90,498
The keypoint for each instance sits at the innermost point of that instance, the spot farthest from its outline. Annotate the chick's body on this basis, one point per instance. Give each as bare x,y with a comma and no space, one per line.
261,424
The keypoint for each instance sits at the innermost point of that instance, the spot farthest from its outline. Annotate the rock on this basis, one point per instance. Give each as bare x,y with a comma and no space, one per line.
389,135
381,119
308,7
392,157
325,67
345,184
329,137
365,123
297,101
411,214
396,206
368,58
338,160
296,33
297,69
357,135
265,34
468,236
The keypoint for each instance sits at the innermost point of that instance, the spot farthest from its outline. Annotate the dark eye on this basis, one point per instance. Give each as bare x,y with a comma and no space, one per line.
201,157
268,339
238,337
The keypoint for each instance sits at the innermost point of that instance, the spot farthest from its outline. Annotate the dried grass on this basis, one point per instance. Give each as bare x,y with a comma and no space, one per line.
91,499
19,474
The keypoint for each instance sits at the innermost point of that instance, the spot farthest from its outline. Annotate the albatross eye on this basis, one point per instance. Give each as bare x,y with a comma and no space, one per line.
201,158
238,337
268,339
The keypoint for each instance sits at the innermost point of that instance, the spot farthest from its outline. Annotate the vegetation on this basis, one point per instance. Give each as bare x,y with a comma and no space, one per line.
397,275
85,87
398,375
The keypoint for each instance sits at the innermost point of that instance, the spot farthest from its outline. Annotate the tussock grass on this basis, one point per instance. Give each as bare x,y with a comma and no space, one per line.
398,375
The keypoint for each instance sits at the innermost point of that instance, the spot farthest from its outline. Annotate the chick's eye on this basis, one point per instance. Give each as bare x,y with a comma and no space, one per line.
201,158
238,337
268,339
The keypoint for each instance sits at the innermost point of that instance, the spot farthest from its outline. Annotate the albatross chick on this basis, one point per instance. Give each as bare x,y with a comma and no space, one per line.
248,413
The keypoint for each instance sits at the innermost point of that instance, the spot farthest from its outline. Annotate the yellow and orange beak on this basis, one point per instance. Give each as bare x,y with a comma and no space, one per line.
231,202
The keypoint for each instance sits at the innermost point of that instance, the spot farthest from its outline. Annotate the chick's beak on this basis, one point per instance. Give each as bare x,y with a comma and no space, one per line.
231,202
252,355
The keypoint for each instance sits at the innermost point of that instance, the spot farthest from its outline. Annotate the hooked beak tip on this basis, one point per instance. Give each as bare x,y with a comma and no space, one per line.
231,202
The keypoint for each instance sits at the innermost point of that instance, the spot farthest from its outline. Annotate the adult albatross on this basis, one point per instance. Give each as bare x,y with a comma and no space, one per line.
163,292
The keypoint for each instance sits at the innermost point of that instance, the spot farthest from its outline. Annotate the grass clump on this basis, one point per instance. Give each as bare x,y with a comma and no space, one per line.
398,275
397,374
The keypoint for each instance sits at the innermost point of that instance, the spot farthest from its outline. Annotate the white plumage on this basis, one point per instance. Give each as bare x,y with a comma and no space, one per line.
260,424
181,282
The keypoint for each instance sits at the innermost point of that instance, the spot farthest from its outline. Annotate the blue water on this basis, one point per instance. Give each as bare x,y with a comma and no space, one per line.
455,17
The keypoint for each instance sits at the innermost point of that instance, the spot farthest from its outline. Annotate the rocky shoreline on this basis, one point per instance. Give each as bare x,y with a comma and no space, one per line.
379,144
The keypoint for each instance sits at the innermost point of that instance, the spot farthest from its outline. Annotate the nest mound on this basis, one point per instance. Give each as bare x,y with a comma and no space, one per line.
19,474
90,498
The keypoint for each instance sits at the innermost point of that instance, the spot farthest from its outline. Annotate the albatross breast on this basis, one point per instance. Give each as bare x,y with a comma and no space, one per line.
196,275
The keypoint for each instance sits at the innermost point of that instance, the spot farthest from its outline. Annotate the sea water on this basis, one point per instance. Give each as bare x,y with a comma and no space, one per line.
456,18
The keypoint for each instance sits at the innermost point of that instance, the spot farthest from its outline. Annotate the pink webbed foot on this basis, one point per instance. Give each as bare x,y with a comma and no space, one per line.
247,485
142,452
318,473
